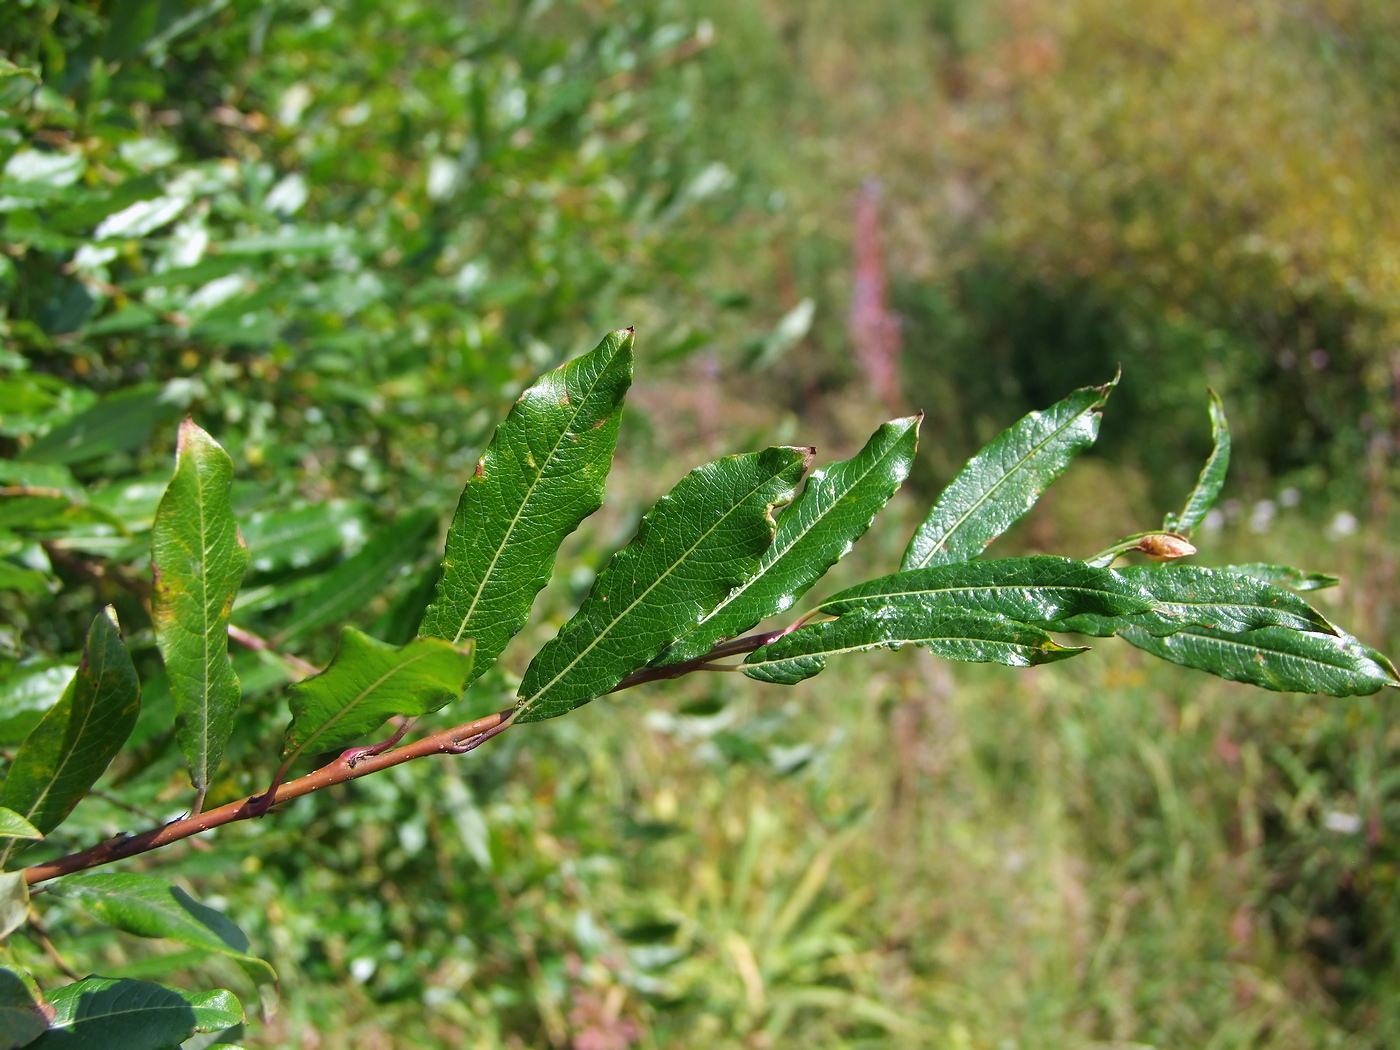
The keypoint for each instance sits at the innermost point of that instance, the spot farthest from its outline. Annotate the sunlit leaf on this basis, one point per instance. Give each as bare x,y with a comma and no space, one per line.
1283,576
199,560
106,1012
542,474
836,506
1004,480
23,1013
966,636
13,826
699,542
1212,475
14,902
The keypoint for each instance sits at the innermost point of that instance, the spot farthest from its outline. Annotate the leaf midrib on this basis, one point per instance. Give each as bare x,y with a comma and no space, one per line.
359,698
893,641
878,598
1230,642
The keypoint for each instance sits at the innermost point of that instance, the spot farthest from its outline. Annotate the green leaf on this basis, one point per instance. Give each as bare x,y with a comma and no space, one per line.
14,902
541,475
199,559
1192,596
23,1013
72,744
699,542
953,635
358,579
1032,590
151,907
98,1013
1004,480
295,539
1276,658
119,423
1283,576
1212,475
13,826
835,507
367,683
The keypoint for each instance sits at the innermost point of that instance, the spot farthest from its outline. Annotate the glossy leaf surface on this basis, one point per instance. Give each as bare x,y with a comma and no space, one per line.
23,1013
952,635
283,540
367,683
1283,576
13,826
199,559
359,578
14,902
1212,477
699,542
1192,596
97,1013
1275,658
27,693
541,475
834,509
72,745
1004,480
1032,590
151,907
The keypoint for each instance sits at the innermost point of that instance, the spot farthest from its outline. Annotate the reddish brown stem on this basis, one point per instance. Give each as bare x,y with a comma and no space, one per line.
455,741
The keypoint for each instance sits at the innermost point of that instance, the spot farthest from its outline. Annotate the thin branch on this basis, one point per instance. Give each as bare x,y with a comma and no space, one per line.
350,766
249,640
732,647
42,936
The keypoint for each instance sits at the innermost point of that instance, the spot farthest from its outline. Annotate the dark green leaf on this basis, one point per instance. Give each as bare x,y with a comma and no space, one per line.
835,507
1275,658
699,542
13,826
1283,576
151,907
104,1013
542,474
354,582
1004,480
367,683
23,1013
118,423
953,635
1212,475
72,745
199,560
1191,596
1031,590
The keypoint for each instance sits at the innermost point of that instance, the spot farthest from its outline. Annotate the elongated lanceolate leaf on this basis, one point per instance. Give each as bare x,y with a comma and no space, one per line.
14,902
23,1013
699,542
1192,596
13,826
359,578
541,475
1004,480
367,683
74,742
836,506
1275,658
1283,576
1031,590
107,1012
1212,475
199,560
151,907
952,635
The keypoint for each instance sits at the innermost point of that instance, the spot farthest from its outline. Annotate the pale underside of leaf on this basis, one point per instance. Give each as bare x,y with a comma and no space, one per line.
836,506
542,473
1284,576
696,544
1005,479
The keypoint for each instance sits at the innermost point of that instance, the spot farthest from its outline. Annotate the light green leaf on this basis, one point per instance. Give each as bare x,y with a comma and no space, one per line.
1004,480
1212,475
367,683
72,744
354,582
14,902
119,423
699,542
280,540
835,507
1275,658
151,907
199,560
1032,590
953,635
105,1013
1283,576
13,826
23,1013
541,475
1192,596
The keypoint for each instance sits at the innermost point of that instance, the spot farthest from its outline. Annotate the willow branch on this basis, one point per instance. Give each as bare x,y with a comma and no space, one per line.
352,765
